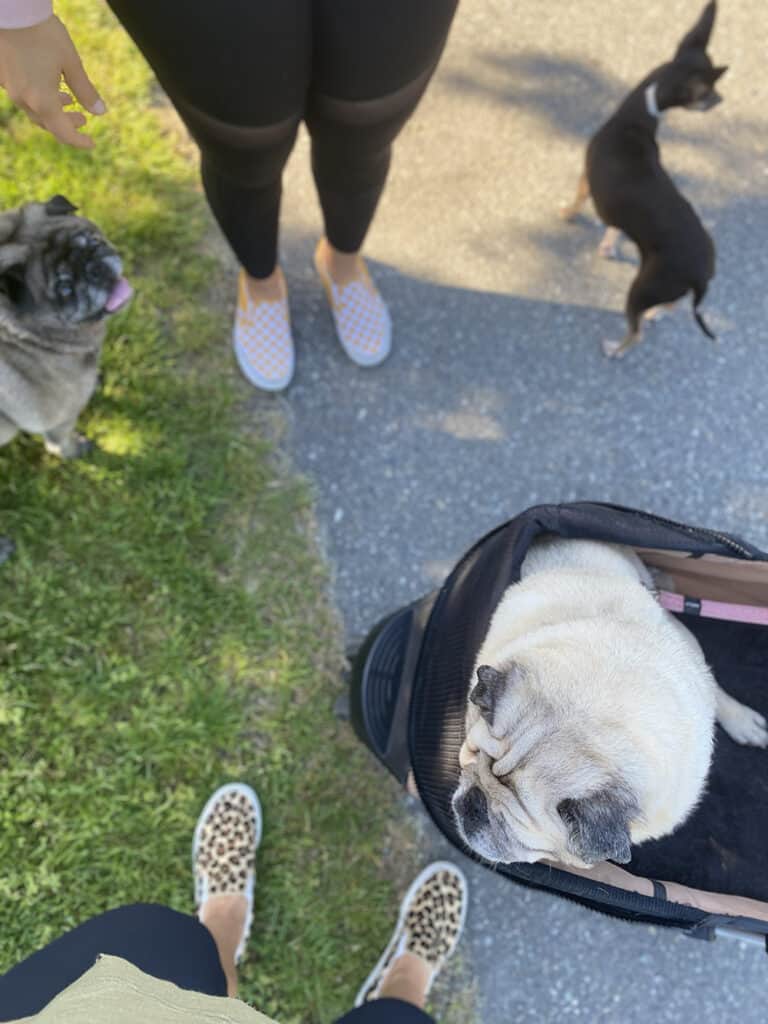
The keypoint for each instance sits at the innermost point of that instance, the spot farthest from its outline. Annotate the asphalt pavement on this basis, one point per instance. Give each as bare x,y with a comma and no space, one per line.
497,397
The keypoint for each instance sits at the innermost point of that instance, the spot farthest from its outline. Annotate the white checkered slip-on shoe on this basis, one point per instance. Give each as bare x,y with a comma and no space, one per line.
262,340
430,924
363,324
227,836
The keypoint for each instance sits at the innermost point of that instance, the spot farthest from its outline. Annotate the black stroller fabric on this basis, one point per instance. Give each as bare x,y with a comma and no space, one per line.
721,848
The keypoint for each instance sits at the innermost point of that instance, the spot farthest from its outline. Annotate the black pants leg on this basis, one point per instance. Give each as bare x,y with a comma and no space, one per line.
159,941
386,1011
372,62
243,75
238,75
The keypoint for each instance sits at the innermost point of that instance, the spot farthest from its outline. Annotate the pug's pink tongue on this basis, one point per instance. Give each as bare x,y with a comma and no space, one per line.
120,294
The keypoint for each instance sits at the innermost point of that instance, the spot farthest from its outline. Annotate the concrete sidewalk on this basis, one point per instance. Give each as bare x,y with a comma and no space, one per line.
497,397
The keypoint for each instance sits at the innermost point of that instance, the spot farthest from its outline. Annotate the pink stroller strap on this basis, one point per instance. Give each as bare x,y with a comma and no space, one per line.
751,613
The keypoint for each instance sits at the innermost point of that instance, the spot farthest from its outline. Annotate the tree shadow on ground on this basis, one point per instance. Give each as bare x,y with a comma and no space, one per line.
493,402
573,99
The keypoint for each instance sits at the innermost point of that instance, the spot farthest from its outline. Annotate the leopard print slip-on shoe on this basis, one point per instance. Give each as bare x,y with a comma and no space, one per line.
430,924
226,839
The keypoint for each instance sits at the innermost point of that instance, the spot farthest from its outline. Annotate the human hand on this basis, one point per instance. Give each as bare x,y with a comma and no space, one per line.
32,63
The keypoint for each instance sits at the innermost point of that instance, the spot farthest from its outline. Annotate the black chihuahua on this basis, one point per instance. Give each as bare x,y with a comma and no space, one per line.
633,193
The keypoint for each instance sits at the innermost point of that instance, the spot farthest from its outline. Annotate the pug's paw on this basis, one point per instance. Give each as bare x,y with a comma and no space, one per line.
84,446
75,446
743,724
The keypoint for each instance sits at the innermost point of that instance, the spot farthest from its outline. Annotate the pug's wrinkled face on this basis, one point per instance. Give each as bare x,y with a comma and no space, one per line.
57,270
530,789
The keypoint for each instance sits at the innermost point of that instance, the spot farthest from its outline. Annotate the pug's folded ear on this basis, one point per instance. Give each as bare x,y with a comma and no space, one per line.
491,684
59,206
598,825
485,693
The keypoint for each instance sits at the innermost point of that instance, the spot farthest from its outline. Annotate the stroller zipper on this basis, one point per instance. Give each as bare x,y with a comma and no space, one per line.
701,531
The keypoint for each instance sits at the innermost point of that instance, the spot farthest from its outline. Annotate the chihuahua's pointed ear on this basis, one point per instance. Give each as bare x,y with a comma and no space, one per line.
598,825
59,206
698,37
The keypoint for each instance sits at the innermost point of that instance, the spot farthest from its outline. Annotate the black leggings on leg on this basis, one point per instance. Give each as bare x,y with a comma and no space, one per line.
159,941
243,76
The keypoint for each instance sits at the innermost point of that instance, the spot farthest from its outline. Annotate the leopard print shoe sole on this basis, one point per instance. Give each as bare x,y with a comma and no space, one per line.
430,924
226,839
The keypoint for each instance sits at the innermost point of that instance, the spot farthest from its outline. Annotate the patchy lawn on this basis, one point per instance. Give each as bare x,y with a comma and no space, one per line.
163,623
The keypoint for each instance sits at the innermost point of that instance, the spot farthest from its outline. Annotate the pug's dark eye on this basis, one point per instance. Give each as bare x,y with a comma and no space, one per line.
64,289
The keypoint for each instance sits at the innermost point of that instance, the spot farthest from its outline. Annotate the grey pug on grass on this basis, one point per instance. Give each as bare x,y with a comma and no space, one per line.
59,281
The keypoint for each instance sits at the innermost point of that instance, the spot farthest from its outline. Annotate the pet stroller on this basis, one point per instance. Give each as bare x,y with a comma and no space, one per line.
411,677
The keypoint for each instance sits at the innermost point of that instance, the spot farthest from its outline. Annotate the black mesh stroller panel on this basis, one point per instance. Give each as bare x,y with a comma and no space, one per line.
719,848
722,847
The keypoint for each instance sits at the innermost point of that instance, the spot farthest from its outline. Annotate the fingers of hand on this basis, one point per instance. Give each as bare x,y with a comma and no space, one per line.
65,125
82,87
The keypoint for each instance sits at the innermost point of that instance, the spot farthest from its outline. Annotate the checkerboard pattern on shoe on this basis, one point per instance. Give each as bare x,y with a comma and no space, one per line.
262,340
363,325
431,921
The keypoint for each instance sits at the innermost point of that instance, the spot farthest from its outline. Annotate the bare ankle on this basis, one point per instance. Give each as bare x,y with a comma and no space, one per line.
267,289
407,978
224,916
343,267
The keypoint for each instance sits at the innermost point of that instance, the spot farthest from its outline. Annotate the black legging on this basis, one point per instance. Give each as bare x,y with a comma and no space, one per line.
162,942
243,74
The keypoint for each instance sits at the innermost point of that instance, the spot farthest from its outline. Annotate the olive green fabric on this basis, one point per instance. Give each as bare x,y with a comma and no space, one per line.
114,990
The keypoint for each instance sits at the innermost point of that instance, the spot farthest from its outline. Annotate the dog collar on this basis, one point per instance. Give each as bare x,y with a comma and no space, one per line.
650,101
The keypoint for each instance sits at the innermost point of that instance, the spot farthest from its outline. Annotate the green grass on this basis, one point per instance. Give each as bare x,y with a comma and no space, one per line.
163,624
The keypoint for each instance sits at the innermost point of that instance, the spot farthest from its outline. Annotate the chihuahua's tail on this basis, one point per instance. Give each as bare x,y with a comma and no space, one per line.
698,295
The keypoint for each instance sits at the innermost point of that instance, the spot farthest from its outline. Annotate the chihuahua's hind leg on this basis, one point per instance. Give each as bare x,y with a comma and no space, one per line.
616,349
657,312
650,289
569,210
609,246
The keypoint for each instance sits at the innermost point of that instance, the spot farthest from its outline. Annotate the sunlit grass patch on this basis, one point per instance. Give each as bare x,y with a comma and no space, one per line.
163,625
